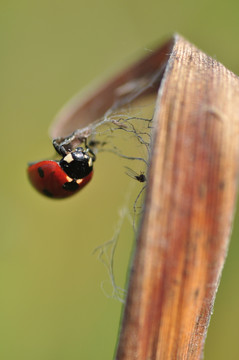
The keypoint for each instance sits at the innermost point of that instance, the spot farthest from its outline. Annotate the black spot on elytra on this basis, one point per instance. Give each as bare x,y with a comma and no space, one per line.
70,186
40,172
47,193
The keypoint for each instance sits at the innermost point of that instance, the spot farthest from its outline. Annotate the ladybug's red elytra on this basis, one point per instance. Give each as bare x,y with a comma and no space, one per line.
60,179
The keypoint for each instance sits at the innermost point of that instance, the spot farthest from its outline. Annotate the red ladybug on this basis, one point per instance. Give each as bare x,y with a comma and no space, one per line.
60,179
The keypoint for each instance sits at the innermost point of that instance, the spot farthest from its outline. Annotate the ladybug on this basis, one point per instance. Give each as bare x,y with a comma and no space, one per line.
60,179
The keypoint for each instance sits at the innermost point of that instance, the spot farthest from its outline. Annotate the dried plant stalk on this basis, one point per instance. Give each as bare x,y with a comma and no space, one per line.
189,208
192,183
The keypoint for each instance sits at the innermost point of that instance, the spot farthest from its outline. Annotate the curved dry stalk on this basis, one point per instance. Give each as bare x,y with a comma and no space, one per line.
191,192
189,209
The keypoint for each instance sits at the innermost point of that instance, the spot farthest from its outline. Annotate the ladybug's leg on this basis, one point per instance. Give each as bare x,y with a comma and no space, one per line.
57,143
89,150
92,153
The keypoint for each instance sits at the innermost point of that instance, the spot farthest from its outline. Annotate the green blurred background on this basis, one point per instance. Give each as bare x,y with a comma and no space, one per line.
51,304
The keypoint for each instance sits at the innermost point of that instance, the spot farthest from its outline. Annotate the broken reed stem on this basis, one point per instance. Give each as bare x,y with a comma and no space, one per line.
183,240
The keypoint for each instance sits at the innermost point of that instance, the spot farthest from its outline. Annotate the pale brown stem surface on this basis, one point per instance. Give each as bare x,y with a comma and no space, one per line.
183,240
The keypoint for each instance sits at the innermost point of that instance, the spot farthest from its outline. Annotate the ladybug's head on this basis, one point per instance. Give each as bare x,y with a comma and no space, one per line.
77,164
